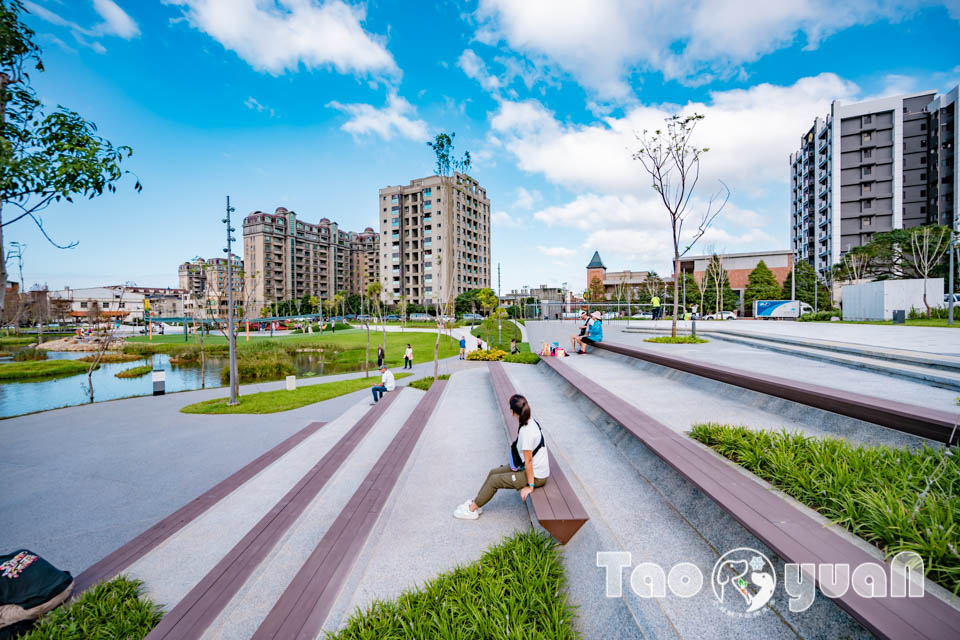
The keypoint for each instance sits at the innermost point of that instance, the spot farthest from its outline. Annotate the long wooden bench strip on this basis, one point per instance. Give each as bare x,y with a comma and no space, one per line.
129,553
788,531
921,421
201,606
305,604
558,509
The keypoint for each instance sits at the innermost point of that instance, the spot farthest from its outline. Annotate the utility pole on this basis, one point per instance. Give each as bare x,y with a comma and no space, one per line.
953,234
230,328
793,277
499,331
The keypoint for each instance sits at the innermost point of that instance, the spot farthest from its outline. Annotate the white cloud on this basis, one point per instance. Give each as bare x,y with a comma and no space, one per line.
393,119
504,219
115,20
475,68
750,133
600,41
280,35
526,199
254,105
557,252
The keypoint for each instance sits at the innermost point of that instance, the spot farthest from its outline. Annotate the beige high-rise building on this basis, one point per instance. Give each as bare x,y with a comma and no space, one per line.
205,284
434,239
287,258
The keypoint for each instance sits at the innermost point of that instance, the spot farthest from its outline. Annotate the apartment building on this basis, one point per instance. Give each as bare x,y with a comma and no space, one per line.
869,167
119,302
434,239
205,285
287,258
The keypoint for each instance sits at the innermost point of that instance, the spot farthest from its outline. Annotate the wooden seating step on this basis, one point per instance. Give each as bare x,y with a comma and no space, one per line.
125,556
201,606
920,421
556,505
304,606
791,533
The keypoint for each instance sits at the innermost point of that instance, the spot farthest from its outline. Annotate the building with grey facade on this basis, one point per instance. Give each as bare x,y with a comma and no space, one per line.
869,167
434,239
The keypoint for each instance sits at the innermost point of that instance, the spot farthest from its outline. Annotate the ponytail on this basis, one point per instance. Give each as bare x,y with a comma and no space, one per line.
520,406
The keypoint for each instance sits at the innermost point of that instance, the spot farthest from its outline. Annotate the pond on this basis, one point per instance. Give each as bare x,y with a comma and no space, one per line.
17,398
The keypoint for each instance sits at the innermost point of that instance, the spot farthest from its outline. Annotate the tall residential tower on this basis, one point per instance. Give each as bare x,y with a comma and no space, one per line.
869,167
434,239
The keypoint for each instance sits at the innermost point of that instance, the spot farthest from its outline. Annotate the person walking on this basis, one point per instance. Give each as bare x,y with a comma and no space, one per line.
655,305
387,383
380,356
408,357
463,348
529,465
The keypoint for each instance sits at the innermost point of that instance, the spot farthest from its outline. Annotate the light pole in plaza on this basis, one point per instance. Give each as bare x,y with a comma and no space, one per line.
230,328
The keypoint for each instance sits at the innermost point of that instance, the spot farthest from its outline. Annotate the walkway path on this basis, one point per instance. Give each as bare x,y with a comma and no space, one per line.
78,482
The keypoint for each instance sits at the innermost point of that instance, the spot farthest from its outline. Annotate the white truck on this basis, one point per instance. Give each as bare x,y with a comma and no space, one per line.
780,309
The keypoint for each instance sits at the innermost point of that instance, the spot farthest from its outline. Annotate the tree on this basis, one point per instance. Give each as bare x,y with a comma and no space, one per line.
928,245
701,283
761,285
442,146
488,301
596,291
806,280
104,335
852,266
673,162
44,158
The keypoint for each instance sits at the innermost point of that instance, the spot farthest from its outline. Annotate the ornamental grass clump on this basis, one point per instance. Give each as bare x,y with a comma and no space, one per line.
424,384
516,590
491,355
897,499
26,355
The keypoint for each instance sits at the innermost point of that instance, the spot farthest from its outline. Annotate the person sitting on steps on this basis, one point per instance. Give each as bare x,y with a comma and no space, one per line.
594,333
387,383
529,465
584,325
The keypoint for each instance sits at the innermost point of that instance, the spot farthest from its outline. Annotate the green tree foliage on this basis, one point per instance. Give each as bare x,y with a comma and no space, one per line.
806,276
731,299
442,146
467,302
44,157
892,254
762,285
596,292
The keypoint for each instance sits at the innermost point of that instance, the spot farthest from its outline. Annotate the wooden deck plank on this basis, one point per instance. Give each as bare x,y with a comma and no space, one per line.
788,531
129,553
305,604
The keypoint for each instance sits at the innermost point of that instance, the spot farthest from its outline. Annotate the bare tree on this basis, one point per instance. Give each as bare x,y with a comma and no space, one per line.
702,282
673,163
653,284
928,245
244,304
103,330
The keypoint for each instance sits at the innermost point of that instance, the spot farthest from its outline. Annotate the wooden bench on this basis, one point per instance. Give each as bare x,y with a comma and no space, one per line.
201,606
791,533
917,420
305,604
556,504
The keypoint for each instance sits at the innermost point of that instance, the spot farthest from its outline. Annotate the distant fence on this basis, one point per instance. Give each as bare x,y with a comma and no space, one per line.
612,311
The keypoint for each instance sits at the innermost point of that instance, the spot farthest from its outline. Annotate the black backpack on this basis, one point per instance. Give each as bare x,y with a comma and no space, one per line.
516,460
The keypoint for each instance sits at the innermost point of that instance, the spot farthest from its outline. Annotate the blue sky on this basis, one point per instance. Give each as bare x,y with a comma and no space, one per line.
316,104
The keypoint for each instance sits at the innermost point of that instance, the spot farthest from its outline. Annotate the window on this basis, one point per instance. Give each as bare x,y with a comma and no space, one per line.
923,126
923,193
867,153
923,143
867,221
868,204
867,137
83,305
923,176
867,171
923,209
923,160
867,119
426,192
395,222
867,187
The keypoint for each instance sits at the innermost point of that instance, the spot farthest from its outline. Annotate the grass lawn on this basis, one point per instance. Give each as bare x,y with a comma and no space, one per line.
16,341
108,358
283,400
897,499
509,331
134,372
115,609
40,369
676,340
424,384
516,590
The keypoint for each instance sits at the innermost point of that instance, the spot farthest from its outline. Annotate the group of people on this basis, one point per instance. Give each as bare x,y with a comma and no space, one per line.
590,331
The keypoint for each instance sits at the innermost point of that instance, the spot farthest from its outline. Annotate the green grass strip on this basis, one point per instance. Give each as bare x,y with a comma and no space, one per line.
884,495
114,609
40,369
424,384
516,590
16,341
135,372
109,358
676,340
508,331
283,400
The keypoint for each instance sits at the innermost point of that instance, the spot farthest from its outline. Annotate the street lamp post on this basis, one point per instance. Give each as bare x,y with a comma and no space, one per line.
230,327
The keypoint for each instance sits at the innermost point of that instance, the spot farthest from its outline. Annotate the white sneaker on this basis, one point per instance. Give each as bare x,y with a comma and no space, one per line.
463,512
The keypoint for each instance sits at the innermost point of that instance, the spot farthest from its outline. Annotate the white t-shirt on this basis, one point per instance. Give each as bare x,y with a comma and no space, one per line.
409,353
387,380
527,440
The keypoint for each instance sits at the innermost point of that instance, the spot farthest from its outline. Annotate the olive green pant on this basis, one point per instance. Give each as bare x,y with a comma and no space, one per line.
504,478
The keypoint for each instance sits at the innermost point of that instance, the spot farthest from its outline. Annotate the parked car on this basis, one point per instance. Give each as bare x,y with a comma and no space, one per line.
472,316
351,316
956,298
421,317
392,318
723,315
643,315
365,318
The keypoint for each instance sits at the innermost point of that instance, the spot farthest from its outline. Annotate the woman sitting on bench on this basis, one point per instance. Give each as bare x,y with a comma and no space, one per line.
528,469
